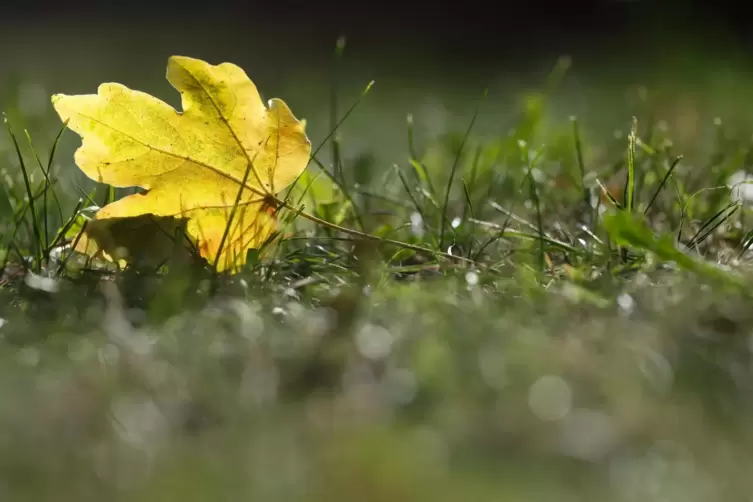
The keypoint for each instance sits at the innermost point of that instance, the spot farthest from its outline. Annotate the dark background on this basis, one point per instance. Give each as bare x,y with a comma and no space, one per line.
492,29
430,60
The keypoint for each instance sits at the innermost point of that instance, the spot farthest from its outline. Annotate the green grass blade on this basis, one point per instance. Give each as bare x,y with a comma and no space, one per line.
629,194
502,228
663,182
67,225
456,163
628,230
416,206
502,231
513,217
422,175
711,224
75,242
537,205
50,160
333,101
48,187
469,187
581,163
313,158
233,212
47,183
37,232
411,143
609,195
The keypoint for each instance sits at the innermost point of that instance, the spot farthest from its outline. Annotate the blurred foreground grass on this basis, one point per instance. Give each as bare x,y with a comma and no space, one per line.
439,391
595,349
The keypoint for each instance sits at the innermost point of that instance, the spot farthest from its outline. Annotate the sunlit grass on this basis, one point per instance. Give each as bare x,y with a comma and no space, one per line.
587,339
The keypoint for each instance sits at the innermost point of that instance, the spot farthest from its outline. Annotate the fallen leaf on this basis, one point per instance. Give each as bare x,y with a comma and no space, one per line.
193,163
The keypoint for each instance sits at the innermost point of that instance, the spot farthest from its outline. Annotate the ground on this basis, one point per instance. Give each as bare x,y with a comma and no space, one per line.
587,338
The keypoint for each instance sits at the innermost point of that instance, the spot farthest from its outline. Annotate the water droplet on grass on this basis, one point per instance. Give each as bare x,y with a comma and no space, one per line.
471,278
417,224
626,304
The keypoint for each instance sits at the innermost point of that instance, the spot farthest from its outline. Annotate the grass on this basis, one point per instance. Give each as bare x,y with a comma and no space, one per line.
578,330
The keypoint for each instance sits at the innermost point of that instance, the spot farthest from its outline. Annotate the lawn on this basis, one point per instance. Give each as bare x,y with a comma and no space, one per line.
553,303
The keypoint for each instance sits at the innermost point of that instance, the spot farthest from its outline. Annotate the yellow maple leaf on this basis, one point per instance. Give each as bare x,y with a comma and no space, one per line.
217,164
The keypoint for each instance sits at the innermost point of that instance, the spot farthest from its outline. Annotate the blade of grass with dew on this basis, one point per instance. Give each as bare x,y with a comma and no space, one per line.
332,132
233,211
428,191
503,232
469,205
536,202
629,189
47,186
321,166
581,163
745,244
468,188
67,225
456,163
75,242
18,217
710,225
37,244
663,182
19,209
629,192
421,172
512,216
502,228
417,207
608,195
366,236
22,261
334,81
89,196
628,229
736,163
384,198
